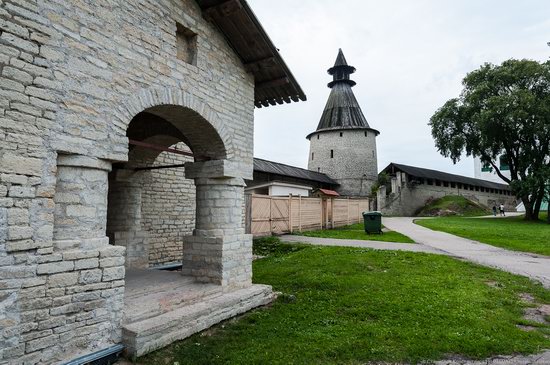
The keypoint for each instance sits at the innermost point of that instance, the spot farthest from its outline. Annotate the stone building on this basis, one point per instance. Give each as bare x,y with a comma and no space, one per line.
344,145
102,103
411,188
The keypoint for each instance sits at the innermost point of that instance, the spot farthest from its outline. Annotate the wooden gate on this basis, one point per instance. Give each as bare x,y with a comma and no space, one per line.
267,215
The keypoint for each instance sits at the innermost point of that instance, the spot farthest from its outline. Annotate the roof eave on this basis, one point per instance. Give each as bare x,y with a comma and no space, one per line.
335,129
281,87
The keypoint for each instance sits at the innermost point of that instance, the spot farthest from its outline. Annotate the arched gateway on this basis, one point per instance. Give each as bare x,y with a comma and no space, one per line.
125,142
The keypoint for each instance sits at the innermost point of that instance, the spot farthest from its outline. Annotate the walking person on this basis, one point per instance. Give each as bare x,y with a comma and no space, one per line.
494,210
502,210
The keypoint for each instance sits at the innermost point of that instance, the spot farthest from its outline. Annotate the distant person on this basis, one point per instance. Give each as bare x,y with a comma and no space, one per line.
502,210
494,210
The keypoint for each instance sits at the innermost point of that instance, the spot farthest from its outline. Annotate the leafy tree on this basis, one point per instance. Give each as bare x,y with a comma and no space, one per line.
502,110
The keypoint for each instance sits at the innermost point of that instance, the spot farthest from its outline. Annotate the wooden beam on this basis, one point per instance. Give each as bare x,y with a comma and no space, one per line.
159,148
273,83
259,64
158,167
223,9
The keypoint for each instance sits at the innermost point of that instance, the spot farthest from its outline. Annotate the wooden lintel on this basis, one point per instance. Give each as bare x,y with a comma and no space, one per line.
273,83
223,9
159,148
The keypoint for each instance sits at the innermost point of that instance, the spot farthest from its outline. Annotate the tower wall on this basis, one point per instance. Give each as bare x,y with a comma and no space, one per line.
354,159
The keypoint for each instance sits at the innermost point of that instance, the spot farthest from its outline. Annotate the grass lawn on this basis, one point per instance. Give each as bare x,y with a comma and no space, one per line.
357,232
511,233
350,306
454,205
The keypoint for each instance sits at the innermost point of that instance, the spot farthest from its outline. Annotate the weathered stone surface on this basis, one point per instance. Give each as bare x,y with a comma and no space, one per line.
68,91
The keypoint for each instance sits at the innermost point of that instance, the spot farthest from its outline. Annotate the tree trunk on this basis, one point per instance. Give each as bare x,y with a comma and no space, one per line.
528,204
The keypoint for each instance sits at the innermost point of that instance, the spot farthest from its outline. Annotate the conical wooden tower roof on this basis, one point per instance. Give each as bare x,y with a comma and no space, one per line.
342,111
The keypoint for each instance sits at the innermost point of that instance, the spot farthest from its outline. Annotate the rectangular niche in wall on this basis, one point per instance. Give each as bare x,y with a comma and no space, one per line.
186,44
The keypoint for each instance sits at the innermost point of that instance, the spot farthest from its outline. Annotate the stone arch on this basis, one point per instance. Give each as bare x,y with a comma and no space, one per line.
171,104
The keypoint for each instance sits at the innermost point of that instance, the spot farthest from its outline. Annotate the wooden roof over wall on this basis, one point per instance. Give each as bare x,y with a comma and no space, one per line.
275,84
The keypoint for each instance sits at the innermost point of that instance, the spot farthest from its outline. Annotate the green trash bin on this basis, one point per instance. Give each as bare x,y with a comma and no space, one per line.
373,222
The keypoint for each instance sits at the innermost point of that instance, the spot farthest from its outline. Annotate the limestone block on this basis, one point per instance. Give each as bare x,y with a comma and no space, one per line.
17,216
52,268
90,263
22,192
90,276
113,273
63,279
19,232
15,164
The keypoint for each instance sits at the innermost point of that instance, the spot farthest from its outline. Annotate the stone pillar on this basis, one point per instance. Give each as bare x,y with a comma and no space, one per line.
219,251
124,225
80,216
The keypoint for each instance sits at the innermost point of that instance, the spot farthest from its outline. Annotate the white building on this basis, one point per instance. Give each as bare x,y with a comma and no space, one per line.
487,172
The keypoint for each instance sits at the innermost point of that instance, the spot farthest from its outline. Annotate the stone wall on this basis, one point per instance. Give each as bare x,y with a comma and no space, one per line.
168,208
73,74
151,211
354,159
406,199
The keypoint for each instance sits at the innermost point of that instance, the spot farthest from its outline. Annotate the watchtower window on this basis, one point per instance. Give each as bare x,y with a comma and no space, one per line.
341,134
317,136
312,154
318,169
331,153
186,44
365,133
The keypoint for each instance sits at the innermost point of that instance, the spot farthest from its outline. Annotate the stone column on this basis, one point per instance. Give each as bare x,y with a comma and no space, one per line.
80,216
124,224
219,251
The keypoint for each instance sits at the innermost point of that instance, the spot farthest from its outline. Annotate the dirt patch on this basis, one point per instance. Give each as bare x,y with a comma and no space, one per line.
536,312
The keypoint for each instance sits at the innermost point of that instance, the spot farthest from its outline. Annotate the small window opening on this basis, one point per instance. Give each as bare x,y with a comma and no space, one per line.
365,133
317,136
318,169
186,44
372,153
312,155
445,184
341,134
331,153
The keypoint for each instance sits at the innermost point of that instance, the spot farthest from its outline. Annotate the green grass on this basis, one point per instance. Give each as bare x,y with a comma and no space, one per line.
512,233
357,232
351,306
454,205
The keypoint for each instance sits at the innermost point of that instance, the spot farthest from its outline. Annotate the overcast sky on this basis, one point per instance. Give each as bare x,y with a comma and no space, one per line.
410,58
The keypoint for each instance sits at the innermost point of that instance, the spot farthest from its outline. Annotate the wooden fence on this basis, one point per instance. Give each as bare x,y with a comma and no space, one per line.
266,215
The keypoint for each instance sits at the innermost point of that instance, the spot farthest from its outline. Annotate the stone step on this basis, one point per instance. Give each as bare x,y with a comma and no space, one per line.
150,334
150,293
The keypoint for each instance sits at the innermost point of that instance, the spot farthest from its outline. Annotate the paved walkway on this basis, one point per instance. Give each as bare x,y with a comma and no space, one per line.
536,267
377,245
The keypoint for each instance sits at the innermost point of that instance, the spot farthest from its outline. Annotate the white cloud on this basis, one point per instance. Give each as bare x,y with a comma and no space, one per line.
410,58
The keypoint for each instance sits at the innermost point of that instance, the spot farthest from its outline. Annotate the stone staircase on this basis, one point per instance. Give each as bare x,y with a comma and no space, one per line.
177,307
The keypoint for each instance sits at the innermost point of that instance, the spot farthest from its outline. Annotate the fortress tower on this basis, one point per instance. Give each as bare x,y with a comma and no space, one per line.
344,145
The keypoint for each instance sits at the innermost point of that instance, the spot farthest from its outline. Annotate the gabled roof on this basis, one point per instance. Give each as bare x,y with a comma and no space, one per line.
328,192
443,176
275,84
291,171
342,111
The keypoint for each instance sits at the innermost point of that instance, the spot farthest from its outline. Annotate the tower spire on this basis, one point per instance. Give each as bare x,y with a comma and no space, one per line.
341,70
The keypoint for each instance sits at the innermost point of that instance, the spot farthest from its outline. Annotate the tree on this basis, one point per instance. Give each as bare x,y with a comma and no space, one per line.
504,111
